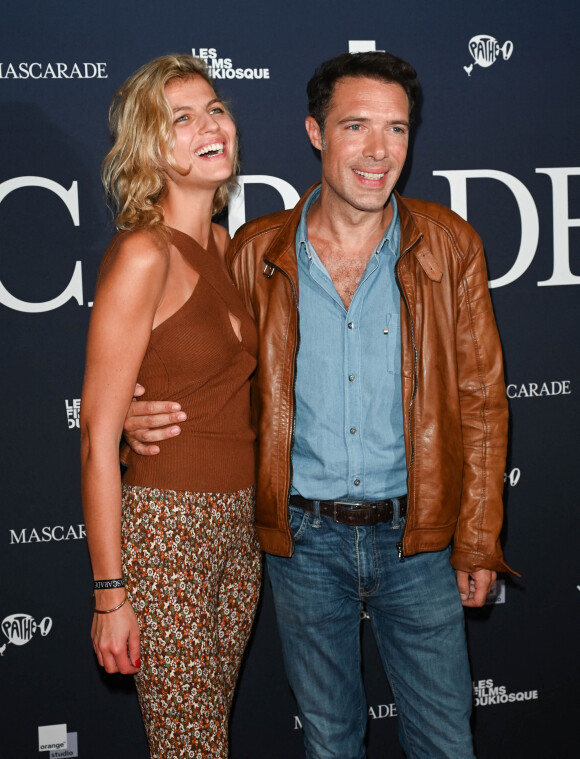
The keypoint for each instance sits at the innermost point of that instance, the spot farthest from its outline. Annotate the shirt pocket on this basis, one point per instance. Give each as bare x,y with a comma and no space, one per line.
392,335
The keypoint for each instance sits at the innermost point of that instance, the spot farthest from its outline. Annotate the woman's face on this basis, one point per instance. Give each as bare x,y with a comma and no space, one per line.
205,135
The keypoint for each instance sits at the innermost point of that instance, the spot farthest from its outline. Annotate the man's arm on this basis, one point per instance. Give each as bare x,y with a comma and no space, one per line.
148,422
477,553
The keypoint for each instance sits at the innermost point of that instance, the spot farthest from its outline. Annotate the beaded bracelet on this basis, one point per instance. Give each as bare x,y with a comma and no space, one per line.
106,611
107,584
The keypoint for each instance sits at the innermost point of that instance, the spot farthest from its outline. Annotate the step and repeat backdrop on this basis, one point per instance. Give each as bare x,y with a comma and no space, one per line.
497,141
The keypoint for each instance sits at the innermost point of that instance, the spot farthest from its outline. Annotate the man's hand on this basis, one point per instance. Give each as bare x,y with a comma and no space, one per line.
474,586
151,421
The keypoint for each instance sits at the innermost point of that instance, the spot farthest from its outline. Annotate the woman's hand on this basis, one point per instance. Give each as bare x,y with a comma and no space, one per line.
116,635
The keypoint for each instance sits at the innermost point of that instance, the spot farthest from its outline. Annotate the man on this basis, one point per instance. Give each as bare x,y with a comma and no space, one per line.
382,422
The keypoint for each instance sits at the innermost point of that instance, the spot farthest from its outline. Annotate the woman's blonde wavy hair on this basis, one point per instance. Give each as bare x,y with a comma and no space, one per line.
141,124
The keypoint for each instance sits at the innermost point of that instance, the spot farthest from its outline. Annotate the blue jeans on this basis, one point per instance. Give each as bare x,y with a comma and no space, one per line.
417,620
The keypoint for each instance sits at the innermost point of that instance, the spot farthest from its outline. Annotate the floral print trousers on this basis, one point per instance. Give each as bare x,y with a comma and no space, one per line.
192,567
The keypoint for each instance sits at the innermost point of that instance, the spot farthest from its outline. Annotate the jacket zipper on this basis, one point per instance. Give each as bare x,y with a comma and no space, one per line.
272,268
400,550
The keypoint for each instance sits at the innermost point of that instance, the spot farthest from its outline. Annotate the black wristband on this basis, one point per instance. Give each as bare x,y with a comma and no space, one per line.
107,584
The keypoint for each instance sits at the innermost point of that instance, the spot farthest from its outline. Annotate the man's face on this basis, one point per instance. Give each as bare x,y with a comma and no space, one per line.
365,143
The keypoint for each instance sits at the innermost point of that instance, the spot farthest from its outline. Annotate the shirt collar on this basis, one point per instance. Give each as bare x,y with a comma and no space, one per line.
392,234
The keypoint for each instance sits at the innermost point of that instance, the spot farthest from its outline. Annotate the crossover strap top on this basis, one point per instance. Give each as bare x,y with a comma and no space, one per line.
196,358
209,266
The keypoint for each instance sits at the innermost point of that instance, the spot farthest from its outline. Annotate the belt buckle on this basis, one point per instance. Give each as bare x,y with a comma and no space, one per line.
356,506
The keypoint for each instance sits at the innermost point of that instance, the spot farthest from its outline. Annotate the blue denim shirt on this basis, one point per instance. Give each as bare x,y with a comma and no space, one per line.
349,440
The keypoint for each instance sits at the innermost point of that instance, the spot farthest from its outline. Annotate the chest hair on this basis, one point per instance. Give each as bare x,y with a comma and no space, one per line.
345,269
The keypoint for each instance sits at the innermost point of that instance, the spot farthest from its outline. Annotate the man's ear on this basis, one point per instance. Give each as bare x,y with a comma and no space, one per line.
314,132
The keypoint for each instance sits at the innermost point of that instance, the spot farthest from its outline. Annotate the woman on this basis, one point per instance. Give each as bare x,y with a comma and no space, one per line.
175,560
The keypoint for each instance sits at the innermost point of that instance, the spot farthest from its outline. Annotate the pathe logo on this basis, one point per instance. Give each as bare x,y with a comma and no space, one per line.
539,389
73,410
223,68
57,70
47,534
486,693
512,477
19,629
485,51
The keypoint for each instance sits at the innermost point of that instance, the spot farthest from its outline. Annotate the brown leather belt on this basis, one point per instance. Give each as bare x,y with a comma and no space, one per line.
356,513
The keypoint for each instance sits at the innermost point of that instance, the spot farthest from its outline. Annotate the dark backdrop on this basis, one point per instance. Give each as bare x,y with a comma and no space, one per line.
497,141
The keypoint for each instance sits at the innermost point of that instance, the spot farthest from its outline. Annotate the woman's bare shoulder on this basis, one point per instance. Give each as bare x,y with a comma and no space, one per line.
140,249
143,244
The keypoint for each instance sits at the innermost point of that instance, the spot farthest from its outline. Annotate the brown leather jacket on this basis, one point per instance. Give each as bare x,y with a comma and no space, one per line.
454,399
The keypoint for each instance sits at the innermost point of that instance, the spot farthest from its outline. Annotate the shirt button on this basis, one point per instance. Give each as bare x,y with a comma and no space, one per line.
351,325
351,377
352,430
357,482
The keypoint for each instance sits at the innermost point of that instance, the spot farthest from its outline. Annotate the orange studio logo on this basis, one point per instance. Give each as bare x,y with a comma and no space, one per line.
485,51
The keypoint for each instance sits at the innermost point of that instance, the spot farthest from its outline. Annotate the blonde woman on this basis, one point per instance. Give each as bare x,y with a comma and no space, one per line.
174,555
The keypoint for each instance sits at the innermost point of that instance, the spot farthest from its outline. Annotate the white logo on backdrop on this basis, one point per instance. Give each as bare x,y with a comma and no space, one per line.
363,46
36,70
74,289
530,224
56,740
381,711
48,534
19,629
378,711
457,178
223,68
71,750
52,737
497,593
237,203
73,410
512,478
485,51
488,694
539,389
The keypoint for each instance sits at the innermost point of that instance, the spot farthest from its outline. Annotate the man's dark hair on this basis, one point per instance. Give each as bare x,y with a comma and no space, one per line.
373,65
